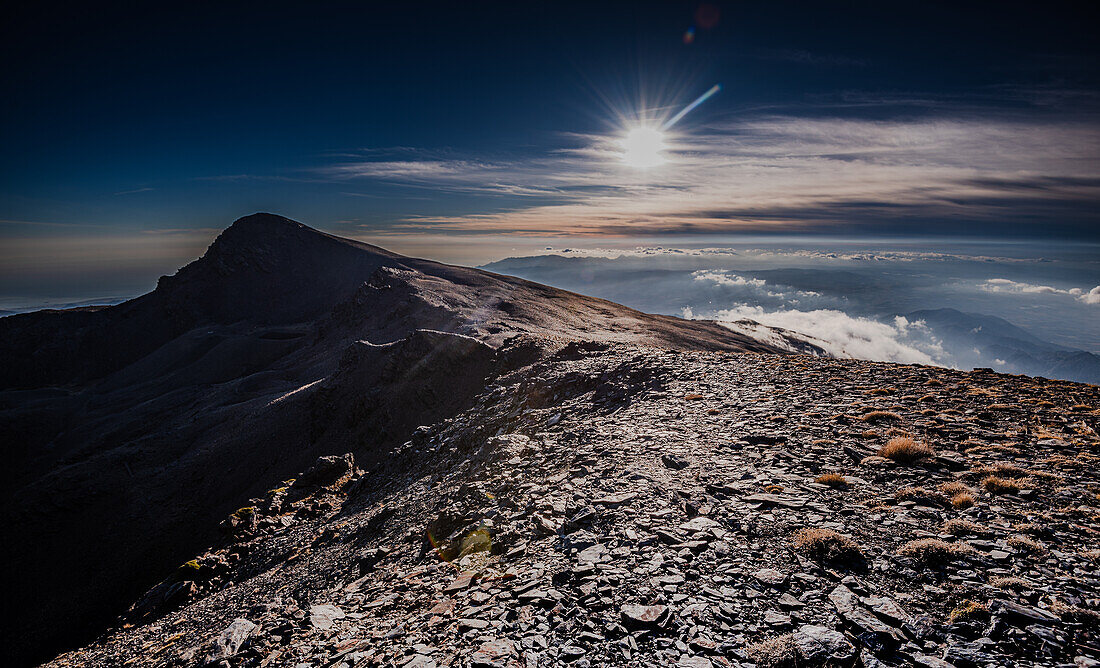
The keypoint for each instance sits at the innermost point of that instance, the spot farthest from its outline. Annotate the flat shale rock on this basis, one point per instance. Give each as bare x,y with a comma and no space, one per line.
642,616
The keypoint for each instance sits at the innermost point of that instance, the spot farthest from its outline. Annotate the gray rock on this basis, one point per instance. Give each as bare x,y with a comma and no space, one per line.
819,644
231,640
593,555
323,616
495,654
643,616
847,604
1021,615
887,609
771,577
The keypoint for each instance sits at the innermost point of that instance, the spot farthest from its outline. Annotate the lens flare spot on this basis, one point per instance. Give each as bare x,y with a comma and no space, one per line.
643,147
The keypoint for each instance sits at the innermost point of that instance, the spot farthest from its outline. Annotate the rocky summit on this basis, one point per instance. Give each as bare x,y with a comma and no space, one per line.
426,466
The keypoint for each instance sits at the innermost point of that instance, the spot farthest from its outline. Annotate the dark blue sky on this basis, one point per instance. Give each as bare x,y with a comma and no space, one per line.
876,118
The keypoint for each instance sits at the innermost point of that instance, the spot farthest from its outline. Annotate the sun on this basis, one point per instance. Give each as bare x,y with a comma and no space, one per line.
643,147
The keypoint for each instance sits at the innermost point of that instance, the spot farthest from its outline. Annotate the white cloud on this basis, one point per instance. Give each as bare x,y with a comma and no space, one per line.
726,278
1091,297
722,277
842,335
1005,285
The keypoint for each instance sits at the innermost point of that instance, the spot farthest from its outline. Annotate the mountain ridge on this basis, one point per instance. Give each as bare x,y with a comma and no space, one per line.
163,410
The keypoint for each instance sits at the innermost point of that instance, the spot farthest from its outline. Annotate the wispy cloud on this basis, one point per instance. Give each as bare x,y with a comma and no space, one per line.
775,173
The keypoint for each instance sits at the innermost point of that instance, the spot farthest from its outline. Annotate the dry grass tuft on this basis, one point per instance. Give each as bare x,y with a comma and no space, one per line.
999,469
882,391
954,487
1043,477
832,480
1070,613
777,652
933,551
970,610
998,485
1026,545
963,500
826,544
905,450
1010,583
961,527
875,417
693,397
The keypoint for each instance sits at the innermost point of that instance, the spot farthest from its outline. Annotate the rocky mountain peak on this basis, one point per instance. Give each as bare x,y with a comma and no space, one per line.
502,473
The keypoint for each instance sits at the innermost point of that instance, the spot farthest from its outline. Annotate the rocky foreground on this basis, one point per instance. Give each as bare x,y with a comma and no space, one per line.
622,505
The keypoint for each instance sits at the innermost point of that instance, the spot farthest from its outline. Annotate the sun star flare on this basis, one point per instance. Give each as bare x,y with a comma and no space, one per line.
644,147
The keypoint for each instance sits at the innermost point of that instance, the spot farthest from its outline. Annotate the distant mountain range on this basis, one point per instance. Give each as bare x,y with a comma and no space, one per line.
986,340
971,340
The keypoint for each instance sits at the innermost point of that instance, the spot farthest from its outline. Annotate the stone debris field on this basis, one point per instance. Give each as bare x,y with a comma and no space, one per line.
614,505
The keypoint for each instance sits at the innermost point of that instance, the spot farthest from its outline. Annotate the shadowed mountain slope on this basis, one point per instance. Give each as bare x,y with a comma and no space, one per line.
131,429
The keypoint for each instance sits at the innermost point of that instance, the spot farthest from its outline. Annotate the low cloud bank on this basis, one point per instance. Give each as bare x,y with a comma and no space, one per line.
1016,287
760,286
842,335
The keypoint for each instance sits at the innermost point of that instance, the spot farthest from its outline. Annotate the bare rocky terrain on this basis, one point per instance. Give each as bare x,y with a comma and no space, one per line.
617,505
425,480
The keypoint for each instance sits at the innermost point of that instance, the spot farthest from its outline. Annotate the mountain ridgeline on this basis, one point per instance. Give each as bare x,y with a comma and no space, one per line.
131,429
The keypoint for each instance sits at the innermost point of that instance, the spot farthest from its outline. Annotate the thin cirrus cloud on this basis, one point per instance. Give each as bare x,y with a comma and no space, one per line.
777,173
1006,285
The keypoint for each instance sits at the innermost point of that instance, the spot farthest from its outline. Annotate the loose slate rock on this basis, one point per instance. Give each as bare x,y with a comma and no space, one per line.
700,523
593,555
819,644
847,604
771,577
231,640
615,499
495,654
643,616
323,616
